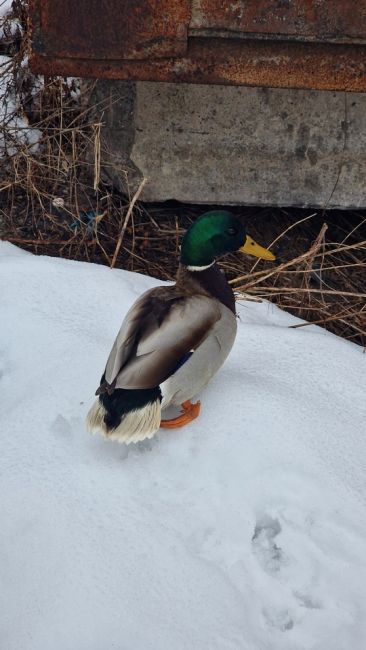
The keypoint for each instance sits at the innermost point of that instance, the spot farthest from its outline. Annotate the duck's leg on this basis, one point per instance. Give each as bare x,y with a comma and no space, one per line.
190,412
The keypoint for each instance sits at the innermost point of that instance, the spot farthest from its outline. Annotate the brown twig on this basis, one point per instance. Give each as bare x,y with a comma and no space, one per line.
127,218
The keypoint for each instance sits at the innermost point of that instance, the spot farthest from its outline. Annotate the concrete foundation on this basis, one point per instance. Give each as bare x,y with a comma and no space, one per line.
235,145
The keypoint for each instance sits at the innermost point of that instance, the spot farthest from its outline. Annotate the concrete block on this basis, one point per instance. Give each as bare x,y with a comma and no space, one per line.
237,145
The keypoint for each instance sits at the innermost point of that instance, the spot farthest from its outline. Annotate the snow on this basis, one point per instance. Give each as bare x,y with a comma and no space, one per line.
9,25
16,131
5,7
242,531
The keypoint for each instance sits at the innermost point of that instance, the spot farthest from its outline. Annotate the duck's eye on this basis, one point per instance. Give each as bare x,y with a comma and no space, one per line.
232,231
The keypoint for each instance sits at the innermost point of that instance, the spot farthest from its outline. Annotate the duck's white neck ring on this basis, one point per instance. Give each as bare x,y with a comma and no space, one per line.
200,268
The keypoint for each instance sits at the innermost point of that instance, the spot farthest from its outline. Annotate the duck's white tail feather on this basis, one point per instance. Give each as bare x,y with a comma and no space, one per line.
135,426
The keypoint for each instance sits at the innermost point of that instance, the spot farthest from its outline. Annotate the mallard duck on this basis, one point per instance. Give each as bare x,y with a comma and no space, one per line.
174,338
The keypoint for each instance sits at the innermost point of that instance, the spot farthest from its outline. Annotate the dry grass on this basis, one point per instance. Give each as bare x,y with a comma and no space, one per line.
325,284
55,201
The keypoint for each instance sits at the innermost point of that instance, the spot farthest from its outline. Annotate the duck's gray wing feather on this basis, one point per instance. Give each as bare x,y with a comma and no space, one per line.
160,328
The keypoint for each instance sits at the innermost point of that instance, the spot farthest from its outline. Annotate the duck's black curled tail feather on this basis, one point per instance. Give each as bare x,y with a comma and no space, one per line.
125,415
122,401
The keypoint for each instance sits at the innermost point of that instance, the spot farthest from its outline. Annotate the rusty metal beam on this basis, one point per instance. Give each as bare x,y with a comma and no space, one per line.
318,44
275,64
113,29
317,20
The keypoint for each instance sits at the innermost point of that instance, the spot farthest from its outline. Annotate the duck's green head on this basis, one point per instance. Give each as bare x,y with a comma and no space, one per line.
214,234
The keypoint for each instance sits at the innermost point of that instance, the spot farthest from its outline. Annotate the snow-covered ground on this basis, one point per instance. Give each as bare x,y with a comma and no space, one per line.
242,531
15,130
5,7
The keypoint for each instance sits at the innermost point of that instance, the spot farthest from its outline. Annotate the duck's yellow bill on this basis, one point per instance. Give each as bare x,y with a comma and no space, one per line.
252,248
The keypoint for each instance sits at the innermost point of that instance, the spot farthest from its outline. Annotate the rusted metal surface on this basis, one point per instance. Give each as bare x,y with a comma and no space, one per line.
114,29
322,20
251,63
147,40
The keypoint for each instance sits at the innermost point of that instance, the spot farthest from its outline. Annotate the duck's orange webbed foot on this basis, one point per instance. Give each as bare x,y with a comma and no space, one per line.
190,412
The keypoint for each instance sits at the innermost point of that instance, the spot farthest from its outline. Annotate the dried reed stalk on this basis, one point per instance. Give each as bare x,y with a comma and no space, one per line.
126,220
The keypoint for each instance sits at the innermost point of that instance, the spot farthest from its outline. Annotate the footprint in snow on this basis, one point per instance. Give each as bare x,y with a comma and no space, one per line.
273,560
280,619
4,366
61,426
265,547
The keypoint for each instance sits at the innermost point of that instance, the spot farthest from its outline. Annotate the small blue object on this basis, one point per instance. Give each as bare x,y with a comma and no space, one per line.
87,218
